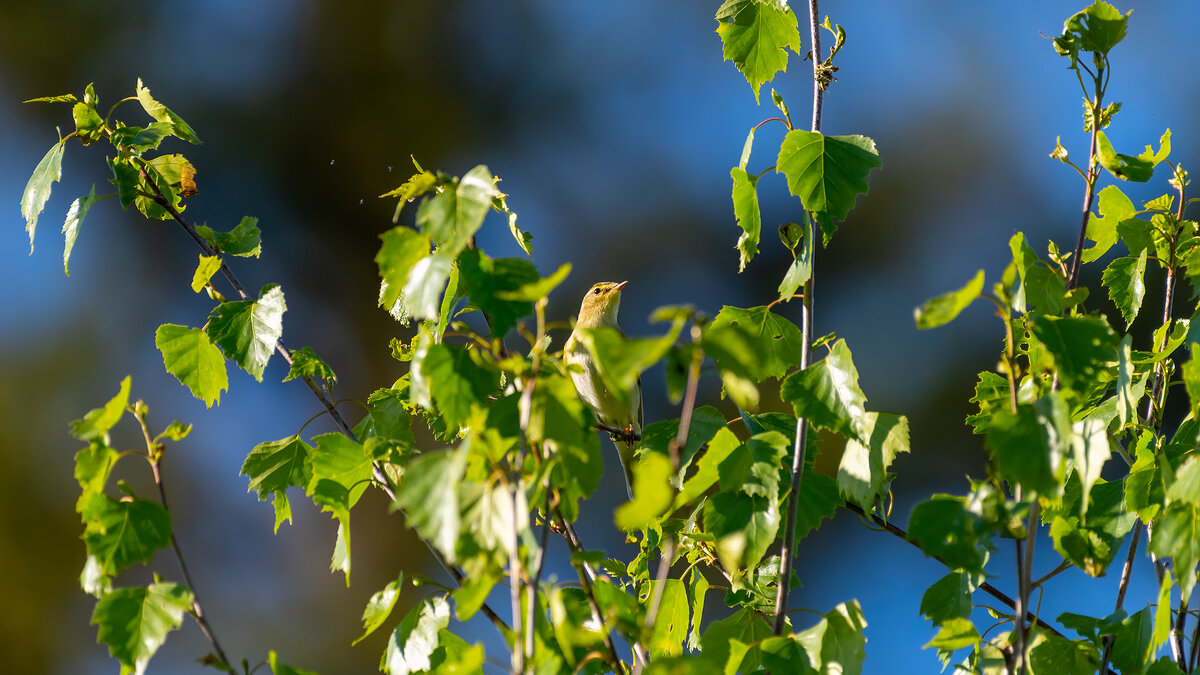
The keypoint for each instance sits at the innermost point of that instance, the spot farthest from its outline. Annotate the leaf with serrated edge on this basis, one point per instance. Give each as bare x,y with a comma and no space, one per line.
134,622
1125,280
75,215
757,39
827,173
194,360
248,330
37,190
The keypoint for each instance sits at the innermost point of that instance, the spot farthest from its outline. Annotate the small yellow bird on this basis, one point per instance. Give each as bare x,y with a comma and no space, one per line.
599,309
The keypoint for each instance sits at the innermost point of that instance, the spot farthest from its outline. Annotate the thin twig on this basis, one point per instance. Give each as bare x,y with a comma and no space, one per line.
155,456
586,578
991,590
1177,633
1122,587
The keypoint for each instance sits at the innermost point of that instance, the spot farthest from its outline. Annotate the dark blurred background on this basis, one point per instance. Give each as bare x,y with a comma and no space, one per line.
614,126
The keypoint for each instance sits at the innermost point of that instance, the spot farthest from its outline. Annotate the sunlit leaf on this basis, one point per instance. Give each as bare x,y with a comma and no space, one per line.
134,622
194,360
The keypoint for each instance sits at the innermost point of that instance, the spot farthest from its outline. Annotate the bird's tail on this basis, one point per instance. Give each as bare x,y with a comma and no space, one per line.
625,452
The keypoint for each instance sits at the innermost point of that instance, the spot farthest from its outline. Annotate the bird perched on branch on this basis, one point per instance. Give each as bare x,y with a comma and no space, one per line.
599,309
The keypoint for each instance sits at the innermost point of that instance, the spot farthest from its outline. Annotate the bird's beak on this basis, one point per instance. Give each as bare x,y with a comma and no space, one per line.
620,285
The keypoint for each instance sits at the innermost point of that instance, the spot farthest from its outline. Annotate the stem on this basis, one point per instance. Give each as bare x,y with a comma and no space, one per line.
1020,609
1177,634
531,590
1025,569
991,590
787,552
514,585
1089,195
155,456
586,575
1126,573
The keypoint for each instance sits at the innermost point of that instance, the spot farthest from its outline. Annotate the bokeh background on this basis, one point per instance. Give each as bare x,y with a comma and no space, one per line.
614,126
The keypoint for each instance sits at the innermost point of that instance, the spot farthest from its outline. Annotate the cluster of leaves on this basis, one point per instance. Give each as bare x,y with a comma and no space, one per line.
514,449
508,451
1065,400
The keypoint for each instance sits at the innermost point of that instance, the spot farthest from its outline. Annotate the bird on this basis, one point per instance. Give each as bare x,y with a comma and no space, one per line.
599,309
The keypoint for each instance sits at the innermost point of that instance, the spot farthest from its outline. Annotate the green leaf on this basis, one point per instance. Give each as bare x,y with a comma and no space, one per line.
1080,348
428,495
1126,401
244,240
75,215
757,39
422,293
61,98
274,466
774,342
1114,207
380,607
1090,450
826,172
1039,286
707,467
88,123
1126,286
1191,380
418,184
401,250
134,622
93,465
744,527
944,308
819,500
561,422
651,493
161,113
138,140
1177,534
945,528
745,626
749,218
1126,167
207,267
334,499
306,363
96,423
37,190
337,458
191,357
837,642
697,589
954,634
248,330
800,271
1061,656
536,290
948,598
486,279
122,533
863,472
827,394
451,218
278,668
1131,650
671,622
458,384
413,642
1021,445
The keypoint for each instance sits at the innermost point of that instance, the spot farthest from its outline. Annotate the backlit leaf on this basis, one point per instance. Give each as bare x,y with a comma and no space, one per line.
75,215
37,190
745,209
942,309
134,622
248,330
756,36
827,173
194,360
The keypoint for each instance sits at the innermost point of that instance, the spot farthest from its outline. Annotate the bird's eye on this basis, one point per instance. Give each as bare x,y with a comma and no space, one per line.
596,291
